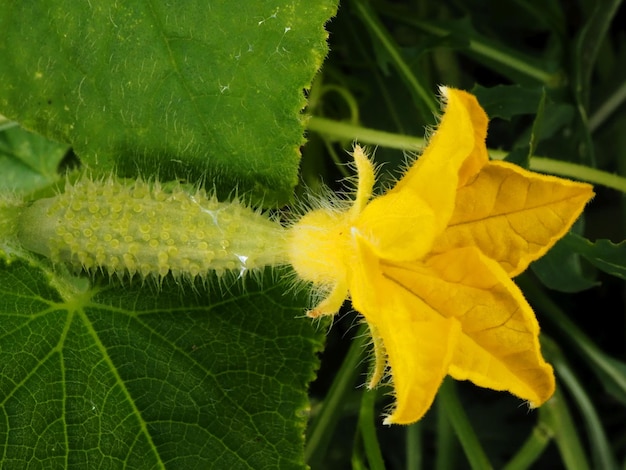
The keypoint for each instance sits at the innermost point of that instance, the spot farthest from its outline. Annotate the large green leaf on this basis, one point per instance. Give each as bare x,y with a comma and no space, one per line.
94,373
194,90
141,377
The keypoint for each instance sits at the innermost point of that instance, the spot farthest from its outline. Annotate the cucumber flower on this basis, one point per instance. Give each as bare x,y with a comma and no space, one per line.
429,263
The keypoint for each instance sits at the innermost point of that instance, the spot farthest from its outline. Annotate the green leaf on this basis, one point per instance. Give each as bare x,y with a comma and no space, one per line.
97,374
28,161
604,254
142,377
535,131
190,91
506,101
560,269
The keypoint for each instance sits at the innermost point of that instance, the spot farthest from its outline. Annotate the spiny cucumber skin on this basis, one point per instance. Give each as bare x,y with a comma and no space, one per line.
140,228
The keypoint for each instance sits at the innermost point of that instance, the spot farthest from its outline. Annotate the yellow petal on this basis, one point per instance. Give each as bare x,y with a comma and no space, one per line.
456,150
499,344
419,354
418,342
479,156
512,215
398,226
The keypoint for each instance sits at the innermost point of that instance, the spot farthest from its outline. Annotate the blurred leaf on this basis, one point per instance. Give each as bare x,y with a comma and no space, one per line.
389,52
549,132
584,53
186,91
604,254
105,376
588,44
519,156
560,269
28,161
556,117
611,370
537,127
526,144
548,12
506,101
487,50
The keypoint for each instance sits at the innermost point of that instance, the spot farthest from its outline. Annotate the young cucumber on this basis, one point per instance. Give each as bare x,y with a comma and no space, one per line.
141,228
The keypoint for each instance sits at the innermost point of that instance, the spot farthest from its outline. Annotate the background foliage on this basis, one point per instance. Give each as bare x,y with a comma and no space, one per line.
551,76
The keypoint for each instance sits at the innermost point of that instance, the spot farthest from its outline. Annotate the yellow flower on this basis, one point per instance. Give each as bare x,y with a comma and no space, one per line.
429,263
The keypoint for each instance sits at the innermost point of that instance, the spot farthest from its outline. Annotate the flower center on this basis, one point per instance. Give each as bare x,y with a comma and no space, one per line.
319,246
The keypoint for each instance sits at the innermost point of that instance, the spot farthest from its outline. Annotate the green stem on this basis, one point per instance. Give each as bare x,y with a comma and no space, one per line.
368,431
601,452
570,170
557,416
348,98
499,55
322,427
414,453
578,172
446,443
357,464
451,405
389,45
607,108
504,58
532,449
336,131
588,44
